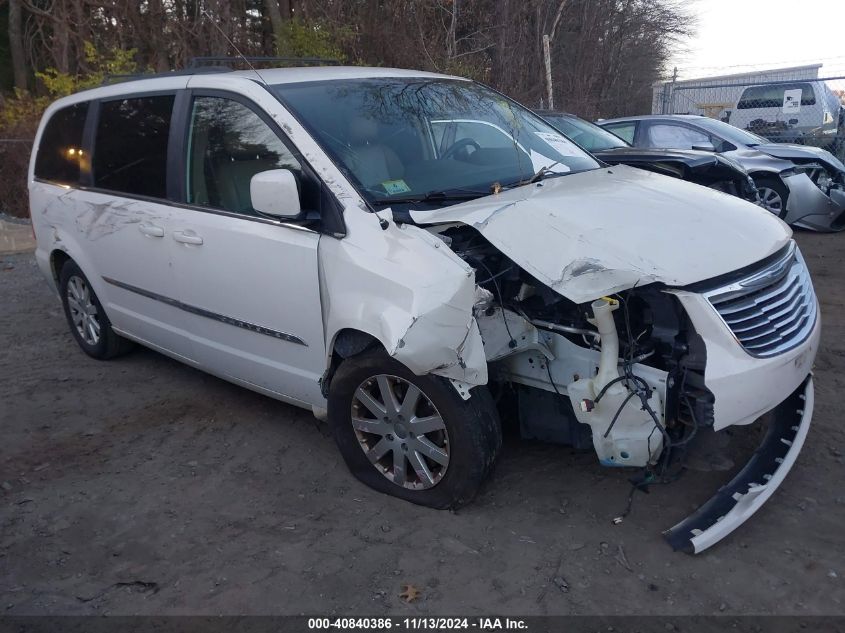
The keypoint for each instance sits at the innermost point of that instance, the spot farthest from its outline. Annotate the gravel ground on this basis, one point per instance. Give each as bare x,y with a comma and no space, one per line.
141,486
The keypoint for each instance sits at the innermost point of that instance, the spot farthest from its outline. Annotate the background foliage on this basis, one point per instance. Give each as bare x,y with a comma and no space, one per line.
605,53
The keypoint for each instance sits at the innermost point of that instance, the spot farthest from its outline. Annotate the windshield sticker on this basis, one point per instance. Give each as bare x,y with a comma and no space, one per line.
395,186
792,101
544,163
560,144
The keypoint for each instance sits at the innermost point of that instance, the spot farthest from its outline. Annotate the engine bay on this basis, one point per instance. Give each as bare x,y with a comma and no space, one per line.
622,374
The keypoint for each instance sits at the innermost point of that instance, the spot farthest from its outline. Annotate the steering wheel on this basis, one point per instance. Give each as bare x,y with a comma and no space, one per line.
459,145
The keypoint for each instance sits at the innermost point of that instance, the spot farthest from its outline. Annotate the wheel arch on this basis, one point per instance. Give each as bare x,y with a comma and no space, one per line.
764,173
345,343
58,258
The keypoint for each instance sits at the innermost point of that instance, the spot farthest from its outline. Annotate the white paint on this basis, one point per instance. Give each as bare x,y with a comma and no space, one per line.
744,387
274,192
591,234
403,286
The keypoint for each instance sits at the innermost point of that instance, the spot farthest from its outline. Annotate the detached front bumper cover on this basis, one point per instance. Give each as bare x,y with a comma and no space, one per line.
735,502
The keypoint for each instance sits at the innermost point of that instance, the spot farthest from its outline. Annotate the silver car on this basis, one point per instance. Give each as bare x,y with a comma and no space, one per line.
804,186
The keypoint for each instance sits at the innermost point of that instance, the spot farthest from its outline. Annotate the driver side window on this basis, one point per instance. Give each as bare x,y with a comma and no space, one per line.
227,146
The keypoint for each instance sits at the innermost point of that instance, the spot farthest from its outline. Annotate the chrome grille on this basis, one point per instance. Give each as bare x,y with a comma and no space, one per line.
771,310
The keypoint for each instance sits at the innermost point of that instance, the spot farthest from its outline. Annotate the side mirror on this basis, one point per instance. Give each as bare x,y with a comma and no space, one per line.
274,192
704,147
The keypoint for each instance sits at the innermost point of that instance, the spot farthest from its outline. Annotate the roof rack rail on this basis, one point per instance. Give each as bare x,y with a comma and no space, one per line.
199,70
208,65
204,62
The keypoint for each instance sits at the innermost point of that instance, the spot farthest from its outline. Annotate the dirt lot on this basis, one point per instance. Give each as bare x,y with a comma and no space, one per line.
141,486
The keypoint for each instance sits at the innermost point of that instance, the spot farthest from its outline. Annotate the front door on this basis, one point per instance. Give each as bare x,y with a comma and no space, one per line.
249,284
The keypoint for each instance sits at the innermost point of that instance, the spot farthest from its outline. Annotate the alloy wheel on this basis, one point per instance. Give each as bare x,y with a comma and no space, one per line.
83,310
400,431
771,200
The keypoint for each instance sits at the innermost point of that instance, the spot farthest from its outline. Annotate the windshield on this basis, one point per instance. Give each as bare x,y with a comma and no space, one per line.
729,132
406,139
588,135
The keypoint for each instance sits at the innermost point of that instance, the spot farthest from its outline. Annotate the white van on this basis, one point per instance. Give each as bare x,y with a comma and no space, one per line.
407,254
806,112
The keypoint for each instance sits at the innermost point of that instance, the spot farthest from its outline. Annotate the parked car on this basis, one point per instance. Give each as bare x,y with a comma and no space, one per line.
392,248
703,168
804,186
805,112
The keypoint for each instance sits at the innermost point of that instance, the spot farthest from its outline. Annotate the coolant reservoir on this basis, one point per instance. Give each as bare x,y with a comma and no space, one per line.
634,440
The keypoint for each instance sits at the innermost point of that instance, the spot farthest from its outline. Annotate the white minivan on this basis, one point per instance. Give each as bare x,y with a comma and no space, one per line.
409,255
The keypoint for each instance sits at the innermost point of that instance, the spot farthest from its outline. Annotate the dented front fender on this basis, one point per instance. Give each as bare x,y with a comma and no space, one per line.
407,289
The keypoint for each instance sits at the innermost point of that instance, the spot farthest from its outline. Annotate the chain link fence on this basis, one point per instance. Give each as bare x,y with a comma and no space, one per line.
782,109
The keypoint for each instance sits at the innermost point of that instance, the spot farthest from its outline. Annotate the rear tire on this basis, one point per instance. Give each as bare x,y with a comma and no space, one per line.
85,315
421,441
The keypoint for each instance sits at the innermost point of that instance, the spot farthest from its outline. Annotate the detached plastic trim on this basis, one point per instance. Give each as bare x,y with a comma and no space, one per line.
735,502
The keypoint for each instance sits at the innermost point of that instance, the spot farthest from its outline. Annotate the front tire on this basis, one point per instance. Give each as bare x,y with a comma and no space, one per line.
412,436
85,315
773,195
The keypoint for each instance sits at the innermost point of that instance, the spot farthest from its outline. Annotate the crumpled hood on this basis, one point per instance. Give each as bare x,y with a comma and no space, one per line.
594,233
801,152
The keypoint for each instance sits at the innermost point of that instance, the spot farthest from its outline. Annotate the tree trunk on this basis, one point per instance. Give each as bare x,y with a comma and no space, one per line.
452,41
158,33
272,8
16,44
286,9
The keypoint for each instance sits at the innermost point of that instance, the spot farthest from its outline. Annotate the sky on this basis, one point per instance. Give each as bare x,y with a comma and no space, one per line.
735,36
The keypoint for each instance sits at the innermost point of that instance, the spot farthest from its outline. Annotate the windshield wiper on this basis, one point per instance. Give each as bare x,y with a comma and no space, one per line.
433,197
541,174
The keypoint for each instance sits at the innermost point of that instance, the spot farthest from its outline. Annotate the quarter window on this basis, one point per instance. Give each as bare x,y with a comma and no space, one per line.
130,152
60,152
625,131
228,145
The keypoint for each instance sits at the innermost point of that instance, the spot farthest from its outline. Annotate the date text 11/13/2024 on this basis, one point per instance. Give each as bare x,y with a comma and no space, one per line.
418,623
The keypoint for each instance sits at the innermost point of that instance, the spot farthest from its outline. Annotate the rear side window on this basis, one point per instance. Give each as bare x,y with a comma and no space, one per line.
60,152
675,136
130,151
773,96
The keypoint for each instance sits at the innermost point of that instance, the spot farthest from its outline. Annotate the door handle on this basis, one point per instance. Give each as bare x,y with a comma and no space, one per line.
187,237
151,229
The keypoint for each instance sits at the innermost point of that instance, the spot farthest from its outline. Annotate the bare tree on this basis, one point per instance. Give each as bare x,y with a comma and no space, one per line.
605,53
16,45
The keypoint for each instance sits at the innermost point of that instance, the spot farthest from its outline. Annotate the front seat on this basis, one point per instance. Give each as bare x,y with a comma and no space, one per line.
373,162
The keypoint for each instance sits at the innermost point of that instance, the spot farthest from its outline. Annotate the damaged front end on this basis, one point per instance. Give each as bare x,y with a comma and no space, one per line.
600,334
560,361
816,196
627,374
